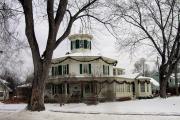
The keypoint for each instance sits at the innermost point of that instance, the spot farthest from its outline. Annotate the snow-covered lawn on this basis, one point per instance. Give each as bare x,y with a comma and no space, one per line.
156,109
148,106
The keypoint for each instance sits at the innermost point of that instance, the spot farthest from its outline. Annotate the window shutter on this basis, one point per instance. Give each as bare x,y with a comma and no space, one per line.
77,43
103,69
85,44
80,68
67,68
60,69
89,68
71,45
67,88
52,71
90,45
108,70
53,89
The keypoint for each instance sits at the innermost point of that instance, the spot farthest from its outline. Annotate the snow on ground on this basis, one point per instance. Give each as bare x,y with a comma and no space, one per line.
12,107
148,106
46,115
156,109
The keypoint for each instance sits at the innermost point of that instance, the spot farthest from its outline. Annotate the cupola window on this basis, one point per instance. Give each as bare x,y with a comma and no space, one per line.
80,44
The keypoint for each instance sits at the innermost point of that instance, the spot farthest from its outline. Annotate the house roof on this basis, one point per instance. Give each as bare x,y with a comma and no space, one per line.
24,85
3,81
80,36
84,57
153,81
139,77
129,76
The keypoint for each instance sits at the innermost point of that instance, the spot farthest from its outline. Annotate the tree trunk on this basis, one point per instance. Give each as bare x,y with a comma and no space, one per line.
163,82
176,80
36,102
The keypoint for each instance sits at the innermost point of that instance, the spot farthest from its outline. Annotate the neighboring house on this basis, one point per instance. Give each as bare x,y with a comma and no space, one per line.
171,81
154,84
23,91
4,90
83,74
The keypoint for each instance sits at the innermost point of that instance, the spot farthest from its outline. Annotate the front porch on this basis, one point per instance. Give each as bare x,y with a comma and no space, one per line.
71,91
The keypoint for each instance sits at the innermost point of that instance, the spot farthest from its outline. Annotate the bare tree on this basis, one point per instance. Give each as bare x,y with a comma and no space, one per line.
176,79
73,10
141,67
158,25
10,44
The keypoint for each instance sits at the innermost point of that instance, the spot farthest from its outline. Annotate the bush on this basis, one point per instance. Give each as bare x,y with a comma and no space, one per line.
109,95
123,99
91,100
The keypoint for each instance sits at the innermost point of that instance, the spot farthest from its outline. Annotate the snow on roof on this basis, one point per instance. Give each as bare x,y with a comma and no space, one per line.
24,85
153,81
85,55
129,76
80,36
3,81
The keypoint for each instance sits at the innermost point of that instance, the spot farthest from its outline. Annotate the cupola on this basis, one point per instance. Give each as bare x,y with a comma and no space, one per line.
80,42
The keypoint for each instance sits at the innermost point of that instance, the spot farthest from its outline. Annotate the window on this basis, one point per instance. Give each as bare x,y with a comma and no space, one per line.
87,88
105,70
89,44
85,44
54,71
85,68
65,69
128,88
122,87
60,70
119,72
1,94
77,43
114,71
81,44
142,87
58,89
118,87
125,88
73,45
147,87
